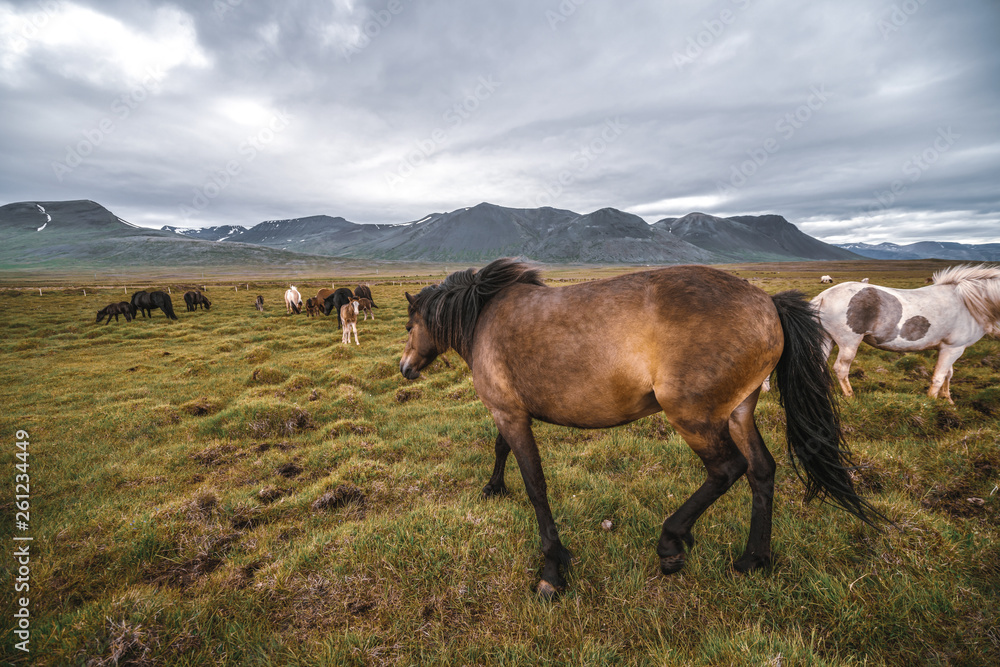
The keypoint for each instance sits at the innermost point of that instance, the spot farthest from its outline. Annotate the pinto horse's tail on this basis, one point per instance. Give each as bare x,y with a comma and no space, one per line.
816,444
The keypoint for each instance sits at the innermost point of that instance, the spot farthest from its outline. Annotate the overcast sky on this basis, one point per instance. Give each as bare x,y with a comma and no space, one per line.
857,121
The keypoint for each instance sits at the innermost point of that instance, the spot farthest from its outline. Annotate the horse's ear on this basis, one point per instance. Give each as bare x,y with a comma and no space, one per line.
409,298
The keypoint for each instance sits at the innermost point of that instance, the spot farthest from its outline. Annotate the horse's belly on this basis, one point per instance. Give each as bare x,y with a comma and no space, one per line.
600,412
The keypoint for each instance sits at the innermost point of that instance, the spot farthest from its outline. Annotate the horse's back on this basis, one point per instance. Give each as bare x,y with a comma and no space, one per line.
609,351
894,318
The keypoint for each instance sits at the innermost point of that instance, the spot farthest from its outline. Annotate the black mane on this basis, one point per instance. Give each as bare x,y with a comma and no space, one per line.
450,309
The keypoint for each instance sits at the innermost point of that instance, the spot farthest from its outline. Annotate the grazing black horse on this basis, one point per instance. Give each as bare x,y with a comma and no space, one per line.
335,301
193,299
116,309
364,292
145,302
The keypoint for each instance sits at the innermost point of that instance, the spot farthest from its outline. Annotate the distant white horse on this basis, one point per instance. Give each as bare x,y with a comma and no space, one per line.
960,307
349,315
293,300
826,279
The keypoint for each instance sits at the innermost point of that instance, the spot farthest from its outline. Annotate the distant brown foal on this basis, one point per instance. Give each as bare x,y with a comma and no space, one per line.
349,315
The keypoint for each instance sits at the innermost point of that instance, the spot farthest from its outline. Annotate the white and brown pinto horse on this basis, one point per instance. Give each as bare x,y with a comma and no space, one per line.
956,310
293,300
696,343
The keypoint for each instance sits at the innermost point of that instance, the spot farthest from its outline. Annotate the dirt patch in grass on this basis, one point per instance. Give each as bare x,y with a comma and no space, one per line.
963,496
281,422
991,361
289,470
125,642
200,407
218,455
257,354
869,478
183,575
913,367
406,394
266,375
342,495
350,427
271,493
247,517
987,401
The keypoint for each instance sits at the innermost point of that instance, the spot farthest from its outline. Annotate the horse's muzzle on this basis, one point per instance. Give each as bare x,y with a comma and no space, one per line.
408,371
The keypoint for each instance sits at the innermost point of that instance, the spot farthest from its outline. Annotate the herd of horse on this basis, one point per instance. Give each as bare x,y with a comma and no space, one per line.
696,343
347,303
693,342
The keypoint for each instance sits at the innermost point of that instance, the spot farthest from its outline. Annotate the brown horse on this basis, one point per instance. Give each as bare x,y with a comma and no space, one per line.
697,344
313,307
366,305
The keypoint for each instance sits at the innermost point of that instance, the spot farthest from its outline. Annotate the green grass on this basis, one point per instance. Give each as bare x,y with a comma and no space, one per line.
238,488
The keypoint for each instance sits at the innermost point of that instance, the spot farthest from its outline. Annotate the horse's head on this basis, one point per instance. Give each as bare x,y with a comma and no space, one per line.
205,302
421,347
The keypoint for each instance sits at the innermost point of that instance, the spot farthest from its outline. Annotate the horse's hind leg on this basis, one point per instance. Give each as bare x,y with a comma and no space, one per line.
724,464
496,486
941,380
760,475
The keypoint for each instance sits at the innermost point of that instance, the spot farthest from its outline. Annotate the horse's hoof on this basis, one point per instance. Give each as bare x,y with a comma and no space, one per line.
748,564
671,564
494,492
547,591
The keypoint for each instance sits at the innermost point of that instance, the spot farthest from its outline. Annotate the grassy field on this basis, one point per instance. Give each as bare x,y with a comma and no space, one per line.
239,488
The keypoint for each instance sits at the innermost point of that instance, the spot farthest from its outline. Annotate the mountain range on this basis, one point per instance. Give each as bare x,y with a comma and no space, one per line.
83,233
486,231
982,252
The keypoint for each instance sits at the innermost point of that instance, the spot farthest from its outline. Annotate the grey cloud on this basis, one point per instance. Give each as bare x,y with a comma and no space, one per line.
812,112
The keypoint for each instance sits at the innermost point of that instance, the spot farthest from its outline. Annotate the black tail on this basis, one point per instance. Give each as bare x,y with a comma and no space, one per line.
816,444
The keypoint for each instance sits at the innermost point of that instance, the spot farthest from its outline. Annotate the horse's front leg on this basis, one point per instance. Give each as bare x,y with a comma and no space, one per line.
496,486
516,431
846,352
940,381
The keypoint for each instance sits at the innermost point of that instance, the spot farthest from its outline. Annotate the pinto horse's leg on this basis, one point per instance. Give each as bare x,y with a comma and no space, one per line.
941,380
517,433
724,465
496,486
846,351
760,475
